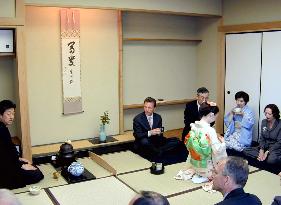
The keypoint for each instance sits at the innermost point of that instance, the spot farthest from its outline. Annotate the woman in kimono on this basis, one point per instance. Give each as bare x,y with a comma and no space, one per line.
239,123
205,146
269,149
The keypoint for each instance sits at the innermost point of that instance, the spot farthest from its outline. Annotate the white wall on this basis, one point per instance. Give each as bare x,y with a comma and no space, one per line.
168,70
211,7
7,8
99,75
160,69
251,11
208,54
8,82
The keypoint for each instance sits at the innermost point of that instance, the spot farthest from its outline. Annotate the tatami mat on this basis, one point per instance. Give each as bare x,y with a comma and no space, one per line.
48,181
252,169
164,184
110,190
198,197
94,168
104,191
126,161
265,185
28,199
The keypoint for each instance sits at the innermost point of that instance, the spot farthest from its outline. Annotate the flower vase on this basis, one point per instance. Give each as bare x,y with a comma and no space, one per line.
102,136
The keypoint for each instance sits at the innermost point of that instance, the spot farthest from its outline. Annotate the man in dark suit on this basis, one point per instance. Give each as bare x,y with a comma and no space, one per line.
229,177
15,171
191,112
149,140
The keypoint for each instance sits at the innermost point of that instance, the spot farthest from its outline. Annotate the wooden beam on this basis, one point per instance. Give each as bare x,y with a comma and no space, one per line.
120,73
172,13
123,9
39,150
159,103
276,25
220,81
162,39
20,12
19,19
7,55
23,94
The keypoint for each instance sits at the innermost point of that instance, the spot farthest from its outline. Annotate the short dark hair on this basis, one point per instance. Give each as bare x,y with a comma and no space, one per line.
5,105
237,168
206,108
274,109
242,94
202,90
150,99
151,198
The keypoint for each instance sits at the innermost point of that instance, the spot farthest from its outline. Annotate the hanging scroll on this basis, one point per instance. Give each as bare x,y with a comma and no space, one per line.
70,47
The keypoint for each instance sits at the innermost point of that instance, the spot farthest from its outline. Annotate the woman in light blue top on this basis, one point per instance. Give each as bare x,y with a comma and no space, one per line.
239,123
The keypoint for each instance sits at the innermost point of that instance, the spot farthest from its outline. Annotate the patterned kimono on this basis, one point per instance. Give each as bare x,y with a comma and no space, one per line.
204,147
239,138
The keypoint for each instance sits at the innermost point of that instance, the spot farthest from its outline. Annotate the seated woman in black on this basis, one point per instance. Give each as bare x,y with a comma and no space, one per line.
269,149
15,172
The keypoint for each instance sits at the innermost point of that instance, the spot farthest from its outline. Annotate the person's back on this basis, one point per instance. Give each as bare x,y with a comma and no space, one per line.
203,144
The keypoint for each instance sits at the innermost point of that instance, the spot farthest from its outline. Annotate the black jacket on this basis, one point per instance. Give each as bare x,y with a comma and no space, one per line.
191,115
10,171
238,196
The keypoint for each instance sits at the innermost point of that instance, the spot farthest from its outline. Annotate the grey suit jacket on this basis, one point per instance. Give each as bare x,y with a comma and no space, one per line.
270,139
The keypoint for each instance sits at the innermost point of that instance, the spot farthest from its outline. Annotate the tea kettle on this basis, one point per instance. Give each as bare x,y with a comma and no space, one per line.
66,155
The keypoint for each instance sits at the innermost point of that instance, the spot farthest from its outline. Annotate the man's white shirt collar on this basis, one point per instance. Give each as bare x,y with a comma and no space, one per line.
198,105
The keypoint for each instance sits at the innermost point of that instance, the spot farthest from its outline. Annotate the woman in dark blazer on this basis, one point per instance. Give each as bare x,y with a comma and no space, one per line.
269,149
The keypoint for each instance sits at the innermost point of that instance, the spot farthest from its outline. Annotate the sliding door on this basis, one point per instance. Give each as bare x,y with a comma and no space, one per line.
243,69
271,70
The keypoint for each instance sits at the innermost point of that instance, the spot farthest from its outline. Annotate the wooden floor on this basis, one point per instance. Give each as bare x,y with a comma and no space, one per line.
174,133
84,143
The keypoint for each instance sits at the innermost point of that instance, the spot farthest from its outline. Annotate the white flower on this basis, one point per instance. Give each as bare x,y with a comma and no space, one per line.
68,141
212,103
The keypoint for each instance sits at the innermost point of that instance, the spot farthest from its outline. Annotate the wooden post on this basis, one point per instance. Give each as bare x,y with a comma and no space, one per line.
23,94
120,72
220,80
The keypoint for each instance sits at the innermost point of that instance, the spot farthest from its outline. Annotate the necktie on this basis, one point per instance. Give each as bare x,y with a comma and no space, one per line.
150,121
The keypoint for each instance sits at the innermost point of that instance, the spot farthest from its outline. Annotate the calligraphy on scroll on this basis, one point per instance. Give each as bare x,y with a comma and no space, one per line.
71,72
